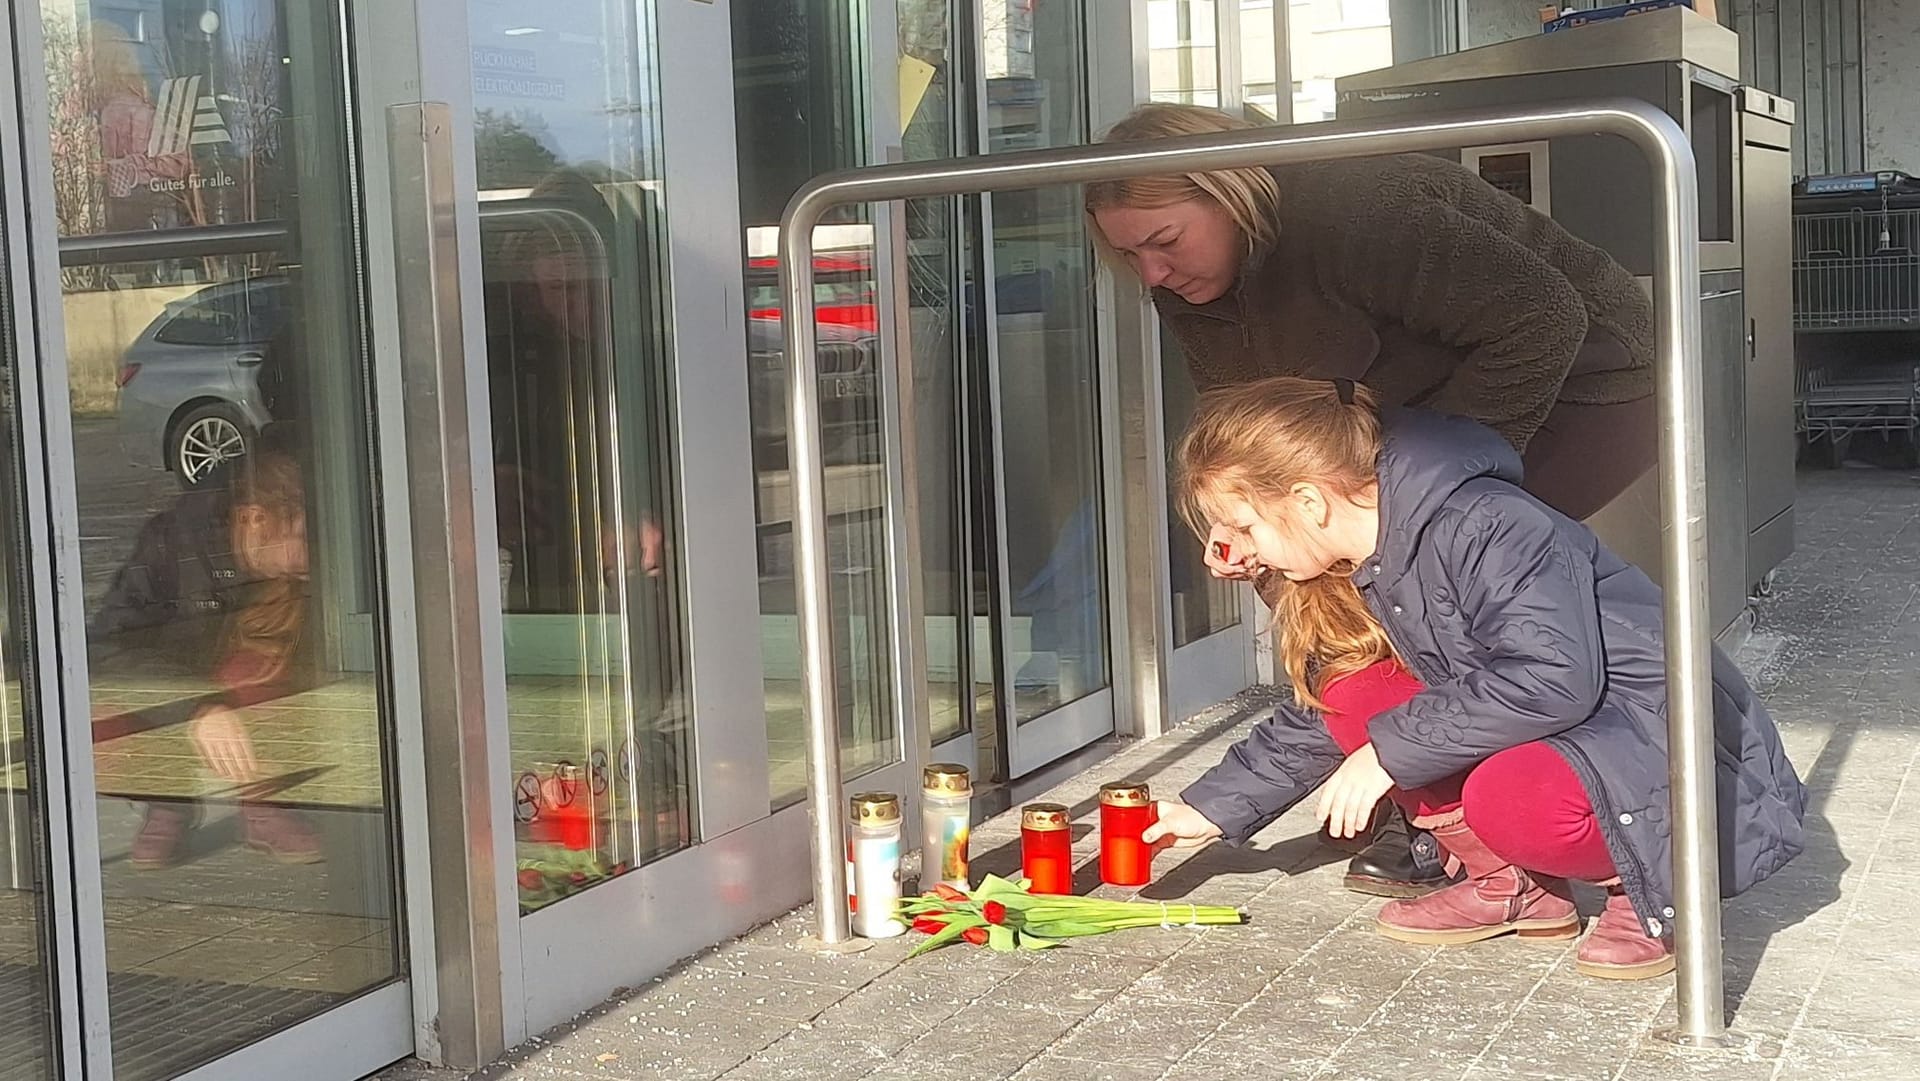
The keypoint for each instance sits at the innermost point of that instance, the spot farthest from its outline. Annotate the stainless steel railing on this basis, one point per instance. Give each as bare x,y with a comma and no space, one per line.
1696,915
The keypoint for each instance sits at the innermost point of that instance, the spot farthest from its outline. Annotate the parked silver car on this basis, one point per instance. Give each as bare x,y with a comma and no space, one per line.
190,393
189,384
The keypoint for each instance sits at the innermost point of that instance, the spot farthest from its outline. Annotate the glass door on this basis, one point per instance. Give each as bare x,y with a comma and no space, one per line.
215,457
1190,44
1047,415
577,304
29,1025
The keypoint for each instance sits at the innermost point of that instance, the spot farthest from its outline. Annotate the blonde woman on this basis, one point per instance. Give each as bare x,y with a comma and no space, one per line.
1481,660
1413,276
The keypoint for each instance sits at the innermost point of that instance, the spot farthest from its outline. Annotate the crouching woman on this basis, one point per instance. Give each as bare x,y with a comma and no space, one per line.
1477,657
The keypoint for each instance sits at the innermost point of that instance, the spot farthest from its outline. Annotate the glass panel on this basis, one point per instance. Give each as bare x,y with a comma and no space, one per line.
220,417
800,108
1202,604
572,217
1056,626
1258,57
1492,23
26,1034
936,254
1182,47
1333,38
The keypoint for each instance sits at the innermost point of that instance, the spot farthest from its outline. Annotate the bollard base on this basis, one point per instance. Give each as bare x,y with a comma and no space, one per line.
1721,1041
853,945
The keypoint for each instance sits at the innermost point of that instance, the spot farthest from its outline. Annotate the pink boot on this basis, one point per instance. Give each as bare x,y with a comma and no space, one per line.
1496,898
162,829
280,833
1619,947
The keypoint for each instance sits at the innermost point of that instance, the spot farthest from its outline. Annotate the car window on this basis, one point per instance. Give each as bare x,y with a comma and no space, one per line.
225,316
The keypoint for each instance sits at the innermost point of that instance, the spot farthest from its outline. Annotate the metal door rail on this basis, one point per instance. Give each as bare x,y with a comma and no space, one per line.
1696,919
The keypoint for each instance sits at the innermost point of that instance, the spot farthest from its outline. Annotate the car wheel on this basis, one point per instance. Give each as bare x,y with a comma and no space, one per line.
204,440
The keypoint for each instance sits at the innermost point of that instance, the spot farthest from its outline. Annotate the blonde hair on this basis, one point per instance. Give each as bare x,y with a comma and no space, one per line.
1250,197
1254,442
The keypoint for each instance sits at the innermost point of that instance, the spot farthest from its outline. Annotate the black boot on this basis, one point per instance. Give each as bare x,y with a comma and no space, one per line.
1401,861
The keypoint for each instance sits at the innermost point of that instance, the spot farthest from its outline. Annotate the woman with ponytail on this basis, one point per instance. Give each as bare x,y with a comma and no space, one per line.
1471,654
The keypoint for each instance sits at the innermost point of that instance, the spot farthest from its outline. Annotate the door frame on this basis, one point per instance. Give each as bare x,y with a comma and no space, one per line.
511,975
48,552
376,1026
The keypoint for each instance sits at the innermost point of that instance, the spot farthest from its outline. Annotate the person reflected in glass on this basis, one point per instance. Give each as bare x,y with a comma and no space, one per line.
139,174
562,533
579,442
222,574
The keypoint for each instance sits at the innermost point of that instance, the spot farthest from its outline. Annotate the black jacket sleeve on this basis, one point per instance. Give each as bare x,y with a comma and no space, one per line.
1531,604
1285,757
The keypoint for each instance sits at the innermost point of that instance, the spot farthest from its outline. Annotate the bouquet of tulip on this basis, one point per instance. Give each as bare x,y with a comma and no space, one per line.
1003,916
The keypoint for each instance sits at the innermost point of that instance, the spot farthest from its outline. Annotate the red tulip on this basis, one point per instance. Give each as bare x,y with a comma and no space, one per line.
948,893
975,935
994,911
928,927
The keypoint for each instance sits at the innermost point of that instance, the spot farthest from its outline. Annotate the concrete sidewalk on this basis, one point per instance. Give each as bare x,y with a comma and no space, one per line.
1823,971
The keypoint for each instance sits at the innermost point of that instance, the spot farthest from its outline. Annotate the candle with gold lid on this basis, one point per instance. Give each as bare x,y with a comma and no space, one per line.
1046,848
1126,809
876,864
946,820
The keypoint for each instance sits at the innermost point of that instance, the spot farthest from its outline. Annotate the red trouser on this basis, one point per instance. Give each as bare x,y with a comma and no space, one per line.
1524,802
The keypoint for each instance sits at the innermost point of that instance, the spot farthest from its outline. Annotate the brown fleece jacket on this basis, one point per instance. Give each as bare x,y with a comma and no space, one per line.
1417,278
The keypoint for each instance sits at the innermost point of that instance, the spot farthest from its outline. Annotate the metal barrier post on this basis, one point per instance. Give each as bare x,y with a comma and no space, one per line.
1696,915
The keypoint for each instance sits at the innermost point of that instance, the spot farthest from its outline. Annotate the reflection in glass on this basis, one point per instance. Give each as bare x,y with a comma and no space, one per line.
1259,88
1330,39
26,1037
936,255
1182,51
1056,626
220,411
573,253
800,105
1202,604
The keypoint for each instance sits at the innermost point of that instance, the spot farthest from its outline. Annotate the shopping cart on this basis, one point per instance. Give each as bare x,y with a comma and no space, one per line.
1856,282
1857,269
1884,400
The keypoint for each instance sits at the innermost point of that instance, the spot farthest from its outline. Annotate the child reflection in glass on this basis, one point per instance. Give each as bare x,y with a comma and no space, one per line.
223,575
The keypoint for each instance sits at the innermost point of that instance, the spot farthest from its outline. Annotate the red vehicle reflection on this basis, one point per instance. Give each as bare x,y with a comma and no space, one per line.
843,292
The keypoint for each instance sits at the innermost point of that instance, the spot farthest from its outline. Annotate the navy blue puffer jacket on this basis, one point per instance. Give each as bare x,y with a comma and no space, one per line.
1523,627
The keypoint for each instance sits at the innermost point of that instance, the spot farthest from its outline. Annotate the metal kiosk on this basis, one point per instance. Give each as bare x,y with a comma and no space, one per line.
1688,66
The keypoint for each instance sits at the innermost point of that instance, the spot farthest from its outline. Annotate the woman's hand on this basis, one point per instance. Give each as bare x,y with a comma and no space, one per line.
1184,826
1348,799
1237,564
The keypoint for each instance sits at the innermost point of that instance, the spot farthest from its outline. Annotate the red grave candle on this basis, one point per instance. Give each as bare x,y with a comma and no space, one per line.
1126,809
1046,848
566,812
